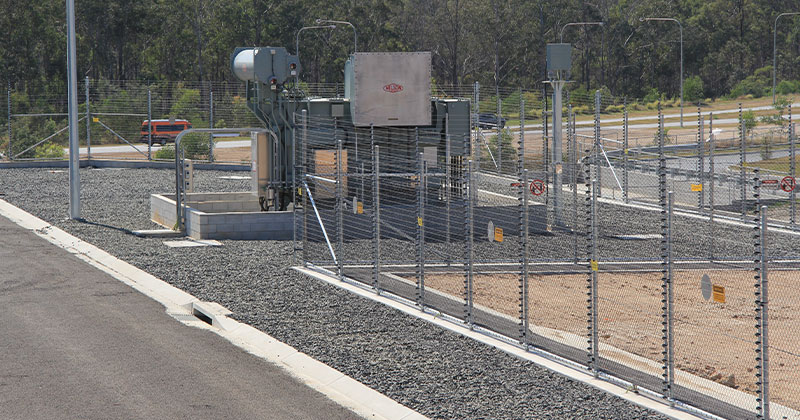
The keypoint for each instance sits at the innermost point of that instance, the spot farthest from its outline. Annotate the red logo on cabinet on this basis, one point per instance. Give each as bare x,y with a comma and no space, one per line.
393,88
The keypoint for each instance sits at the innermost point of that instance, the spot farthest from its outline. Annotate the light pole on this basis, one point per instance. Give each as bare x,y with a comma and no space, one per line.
774,50
342,22
72,101
681,29
561,38
297,45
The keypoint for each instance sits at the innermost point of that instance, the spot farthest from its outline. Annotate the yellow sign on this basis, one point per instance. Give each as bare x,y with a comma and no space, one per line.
719,293
300,191
697,187
595,266
95,119
625,151
419,221
498,234
360,208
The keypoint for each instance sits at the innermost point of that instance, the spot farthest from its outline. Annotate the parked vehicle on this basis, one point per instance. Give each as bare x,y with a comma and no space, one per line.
490,121
164,131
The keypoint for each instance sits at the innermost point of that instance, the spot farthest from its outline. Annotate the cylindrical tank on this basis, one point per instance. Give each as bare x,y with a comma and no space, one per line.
244,65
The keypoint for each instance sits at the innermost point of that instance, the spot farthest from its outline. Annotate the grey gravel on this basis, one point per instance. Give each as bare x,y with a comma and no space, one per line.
439,373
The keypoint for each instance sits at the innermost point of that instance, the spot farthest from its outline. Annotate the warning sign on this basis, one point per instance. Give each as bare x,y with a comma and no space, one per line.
718,292
770,183
537,187
697,187
95,119
788,183
498,234
595,266
419,221
360,208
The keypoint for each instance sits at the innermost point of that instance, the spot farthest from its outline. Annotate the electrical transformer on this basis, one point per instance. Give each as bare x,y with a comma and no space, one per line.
388,93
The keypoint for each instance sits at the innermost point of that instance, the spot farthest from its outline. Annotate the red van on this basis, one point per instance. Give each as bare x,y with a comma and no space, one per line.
164,130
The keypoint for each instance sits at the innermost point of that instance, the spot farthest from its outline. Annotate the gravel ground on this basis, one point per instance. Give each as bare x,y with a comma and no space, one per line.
439,373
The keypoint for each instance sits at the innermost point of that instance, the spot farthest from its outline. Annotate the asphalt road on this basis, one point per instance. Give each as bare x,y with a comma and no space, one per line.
78,344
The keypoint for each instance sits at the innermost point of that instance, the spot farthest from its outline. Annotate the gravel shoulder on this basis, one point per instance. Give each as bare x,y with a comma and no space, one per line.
438,373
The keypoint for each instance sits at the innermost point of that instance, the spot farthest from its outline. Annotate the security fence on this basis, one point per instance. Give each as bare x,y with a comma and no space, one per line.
113,119
630,270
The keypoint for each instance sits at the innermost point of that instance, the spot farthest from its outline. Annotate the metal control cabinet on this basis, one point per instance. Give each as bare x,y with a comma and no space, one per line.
389,89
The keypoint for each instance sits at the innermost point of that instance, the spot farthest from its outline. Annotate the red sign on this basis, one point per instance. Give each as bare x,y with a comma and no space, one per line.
788,184
769,183
393,88
537,187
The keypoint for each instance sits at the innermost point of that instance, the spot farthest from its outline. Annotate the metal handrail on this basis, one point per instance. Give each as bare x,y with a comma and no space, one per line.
180,205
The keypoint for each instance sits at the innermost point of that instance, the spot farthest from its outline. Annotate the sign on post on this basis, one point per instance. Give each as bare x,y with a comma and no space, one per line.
788,183
538,187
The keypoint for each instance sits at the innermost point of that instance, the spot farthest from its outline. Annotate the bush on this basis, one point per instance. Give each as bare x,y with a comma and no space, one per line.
652,95
612,109
757,85
581,110
693,89
749,120
166,153
786,87
195,146
27,134
49,151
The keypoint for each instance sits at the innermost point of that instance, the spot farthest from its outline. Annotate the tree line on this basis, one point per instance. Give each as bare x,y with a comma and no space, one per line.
727,44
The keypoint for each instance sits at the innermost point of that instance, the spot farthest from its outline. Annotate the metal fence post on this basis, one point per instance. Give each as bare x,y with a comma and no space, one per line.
476,91
595,272
149,125
760,250
625,151
469,240
88,123
210,122
376,209
711,185
9,121
448,179
764,303
499,137
701,161
667,296
742,161
420,289
303,145
575,169
339,204
792,173
523,228
597,150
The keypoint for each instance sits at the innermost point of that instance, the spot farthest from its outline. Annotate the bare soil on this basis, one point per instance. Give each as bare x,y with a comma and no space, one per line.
233,154
712,340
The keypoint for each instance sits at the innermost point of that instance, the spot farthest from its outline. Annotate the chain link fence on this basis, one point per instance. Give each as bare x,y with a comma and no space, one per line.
642,266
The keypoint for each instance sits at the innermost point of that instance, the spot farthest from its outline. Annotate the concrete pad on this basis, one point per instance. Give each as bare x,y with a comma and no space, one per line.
190,243
157,233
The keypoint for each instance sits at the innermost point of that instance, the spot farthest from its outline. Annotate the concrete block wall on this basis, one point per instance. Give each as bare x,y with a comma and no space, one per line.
223,216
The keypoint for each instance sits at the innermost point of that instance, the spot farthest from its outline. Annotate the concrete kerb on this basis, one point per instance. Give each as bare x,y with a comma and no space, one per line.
122,164
182,306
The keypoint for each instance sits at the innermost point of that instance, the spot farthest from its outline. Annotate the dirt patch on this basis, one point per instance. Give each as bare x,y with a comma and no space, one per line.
712,340
232,154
